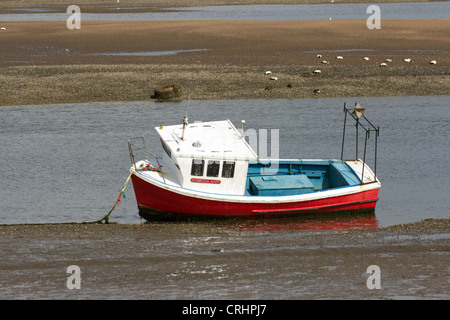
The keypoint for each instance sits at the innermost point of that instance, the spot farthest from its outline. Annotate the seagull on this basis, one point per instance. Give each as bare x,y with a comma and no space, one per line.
407,60
433,62
317,71
383,65
273,78
3,28
388,60
366,58
319,56
325,62
339,57
268,72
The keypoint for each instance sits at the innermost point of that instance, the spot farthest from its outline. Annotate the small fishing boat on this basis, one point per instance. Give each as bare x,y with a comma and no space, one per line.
209,170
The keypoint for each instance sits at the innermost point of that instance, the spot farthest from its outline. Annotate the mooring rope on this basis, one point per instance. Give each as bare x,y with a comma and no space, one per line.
119,200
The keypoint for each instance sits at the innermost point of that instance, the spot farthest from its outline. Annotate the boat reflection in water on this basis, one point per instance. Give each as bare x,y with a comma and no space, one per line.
323,222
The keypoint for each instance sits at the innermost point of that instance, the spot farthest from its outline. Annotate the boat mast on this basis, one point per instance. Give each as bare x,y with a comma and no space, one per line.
185,123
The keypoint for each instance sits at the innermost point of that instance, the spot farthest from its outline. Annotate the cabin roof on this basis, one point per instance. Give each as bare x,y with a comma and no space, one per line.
207,140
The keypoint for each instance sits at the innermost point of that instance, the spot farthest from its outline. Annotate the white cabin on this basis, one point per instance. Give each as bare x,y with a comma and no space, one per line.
206,156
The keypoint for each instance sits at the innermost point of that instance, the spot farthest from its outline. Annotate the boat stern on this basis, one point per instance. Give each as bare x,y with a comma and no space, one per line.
363,171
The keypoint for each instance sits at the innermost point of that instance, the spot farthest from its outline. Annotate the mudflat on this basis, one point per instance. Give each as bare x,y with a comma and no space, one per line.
211,260
45,62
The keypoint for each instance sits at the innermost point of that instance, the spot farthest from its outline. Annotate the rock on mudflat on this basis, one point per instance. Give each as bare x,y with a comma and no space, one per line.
167,91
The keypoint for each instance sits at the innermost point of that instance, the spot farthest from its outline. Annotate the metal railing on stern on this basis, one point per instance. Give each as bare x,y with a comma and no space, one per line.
357,113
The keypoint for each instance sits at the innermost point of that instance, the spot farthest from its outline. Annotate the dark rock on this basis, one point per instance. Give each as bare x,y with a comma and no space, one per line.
167,91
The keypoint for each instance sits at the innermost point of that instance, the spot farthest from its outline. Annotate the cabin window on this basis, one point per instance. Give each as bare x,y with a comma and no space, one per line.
213,169
228,169
197,167
166,148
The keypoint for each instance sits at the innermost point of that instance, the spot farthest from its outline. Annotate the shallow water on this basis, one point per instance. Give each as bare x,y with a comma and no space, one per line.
148,53
420,10
64,163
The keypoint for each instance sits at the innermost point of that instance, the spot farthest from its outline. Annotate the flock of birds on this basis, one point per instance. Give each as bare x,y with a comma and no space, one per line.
318,71
383,64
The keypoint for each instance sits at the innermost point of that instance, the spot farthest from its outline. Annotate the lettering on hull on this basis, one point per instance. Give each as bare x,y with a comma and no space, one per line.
211,181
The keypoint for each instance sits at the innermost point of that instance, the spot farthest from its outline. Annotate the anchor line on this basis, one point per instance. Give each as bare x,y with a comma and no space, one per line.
119,200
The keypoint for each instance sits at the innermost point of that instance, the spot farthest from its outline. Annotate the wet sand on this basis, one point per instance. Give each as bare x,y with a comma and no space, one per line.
44,62
211,260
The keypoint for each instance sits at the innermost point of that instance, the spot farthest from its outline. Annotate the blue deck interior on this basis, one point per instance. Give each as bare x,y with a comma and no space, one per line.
294,177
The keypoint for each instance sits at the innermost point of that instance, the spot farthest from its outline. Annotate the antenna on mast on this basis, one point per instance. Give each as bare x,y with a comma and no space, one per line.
187,107
185,119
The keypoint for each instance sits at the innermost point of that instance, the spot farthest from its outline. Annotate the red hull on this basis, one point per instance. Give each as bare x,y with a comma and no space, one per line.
154,201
